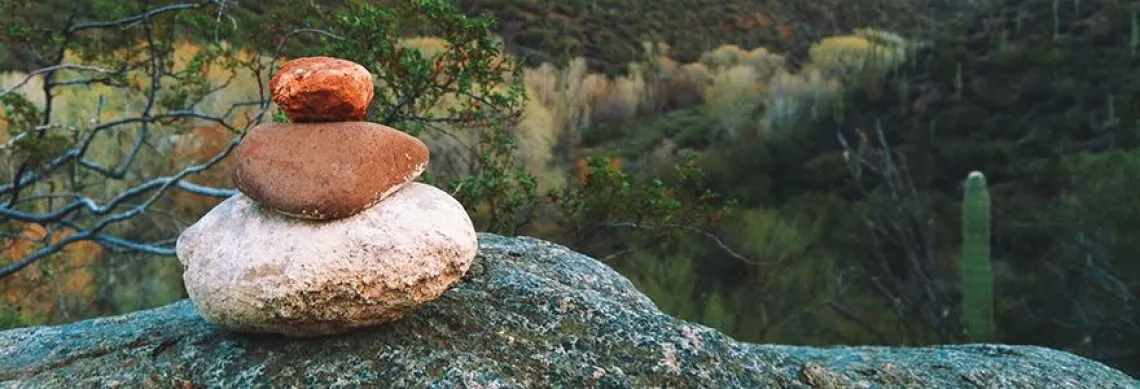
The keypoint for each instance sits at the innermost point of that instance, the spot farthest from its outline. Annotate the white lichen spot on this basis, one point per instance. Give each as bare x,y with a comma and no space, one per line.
692,337
510,339
672,364
564,304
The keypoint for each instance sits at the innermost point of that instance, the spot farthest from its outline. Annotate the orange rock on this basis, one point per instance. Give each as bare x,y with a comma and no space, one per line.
322,89
325,170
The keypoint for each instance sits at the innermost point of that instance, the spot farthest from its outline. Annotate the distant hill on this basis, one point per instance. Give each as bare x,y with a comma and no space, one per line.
609,32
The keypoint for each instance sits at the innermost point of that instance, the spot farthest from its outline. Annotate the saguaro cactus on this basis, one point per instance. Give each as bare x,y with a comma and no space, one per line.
975,268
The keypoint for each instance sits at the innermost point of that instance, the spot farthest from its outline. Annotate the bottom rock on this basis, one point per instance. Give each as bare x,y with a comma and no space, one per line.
529,314
248,269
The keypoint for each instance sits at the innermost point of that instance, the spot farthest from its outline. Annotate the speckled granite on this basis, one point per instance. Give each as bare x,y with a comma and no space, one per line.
528,314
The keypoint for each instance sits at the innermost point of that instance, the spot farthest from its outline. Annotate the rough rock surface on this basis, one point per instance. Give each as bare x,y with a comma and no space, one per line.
249,270
322,89
529,314
325,170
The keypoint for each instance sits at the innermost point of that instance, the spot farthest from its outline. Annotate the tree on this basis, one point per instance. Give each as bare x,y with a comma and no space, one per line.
91,159
905,266
70,175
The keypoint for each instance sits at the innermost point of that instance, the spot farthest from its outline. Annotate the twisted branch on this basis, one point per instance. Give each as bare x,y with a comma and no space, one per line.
68,206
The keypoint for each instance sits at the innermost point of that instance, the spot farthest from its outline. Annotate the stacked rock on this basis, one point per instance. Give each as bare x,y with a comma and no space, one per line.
329,232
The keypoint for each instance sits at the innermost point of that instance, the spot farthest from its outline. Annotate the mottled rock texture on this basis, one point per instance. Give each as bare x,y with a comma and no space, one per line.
322,89
325,171
250,270
529,314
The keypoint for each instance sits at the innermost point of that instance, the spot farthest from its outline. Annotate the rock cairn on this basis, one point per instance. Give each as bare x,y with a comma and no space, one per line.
329,231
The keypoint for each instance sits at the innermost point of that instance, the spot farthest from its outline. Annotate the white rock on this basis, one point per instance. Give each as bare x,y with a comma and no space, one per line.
248,269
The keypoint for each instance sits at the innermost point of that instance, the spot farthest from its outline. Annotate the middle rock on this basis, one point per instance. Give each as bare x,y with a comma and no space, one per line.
325,170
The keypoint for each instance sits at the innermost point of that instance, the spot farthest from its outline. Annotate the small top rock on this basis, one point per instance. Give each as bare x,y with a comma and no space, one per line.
322,89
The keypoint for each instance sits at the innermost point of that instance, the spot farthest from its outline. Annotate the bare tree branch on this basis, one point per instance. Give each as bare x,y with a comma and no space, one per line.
126,21
706,234
158,185
71,204
901,235
27,78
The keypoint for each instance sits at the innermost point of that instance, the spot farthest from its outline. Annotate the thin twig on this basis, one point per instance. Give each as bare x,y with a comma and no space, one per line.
66,66
710,236
122,22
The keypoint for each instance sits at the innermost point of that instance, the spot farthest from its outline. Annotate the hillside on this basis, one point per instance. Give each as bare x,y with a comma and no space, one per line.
609,32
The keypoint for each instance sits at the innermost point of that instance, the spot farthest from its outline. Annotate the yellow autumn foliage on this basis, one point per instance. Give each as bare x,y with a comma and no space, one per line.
747,89
867,50
728,56
735,95
57,284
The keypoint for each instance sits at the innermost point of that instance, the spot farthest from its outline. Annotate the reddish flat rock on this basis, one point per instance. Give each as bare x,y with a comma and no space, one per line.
325,170
322,89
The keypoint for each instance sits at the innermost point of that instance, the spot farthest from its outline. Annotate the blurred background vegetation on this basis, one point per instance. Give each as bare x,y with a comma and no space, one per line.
786,172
